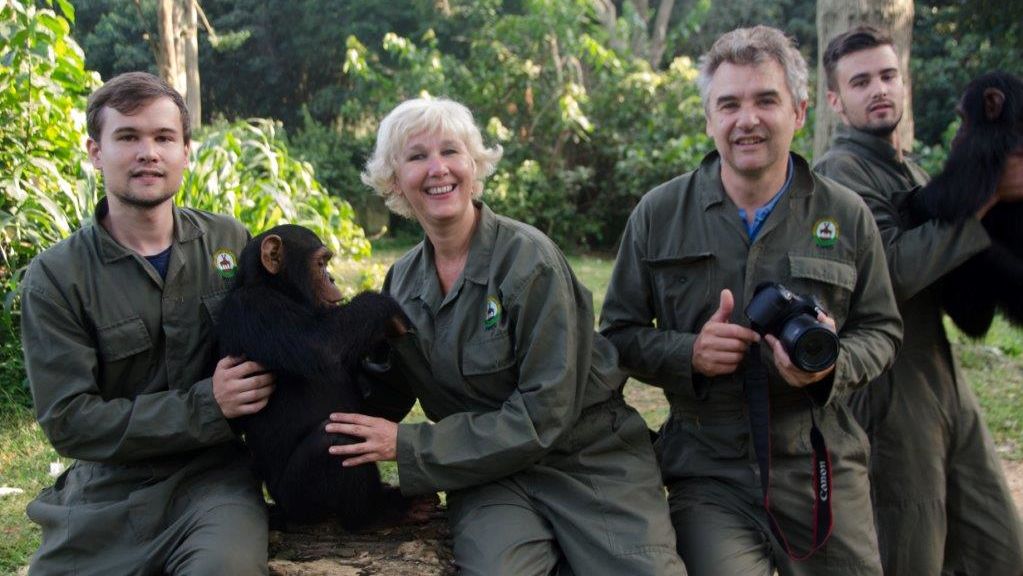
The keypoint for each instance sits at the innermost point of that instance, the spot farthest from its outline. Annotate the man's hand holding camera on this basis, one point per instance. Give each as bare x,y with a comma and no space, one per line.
789,371
788,324
801,335
720,346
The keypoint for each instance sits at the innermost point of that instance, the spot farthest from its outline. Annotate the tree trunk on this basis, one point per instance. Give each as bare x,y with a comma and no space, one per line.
190,44
659,35
837,16
177,54
167,53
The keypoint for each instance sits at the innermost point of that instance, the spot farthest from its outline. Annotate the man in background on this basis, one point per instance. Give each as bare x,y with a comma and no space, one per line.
940,499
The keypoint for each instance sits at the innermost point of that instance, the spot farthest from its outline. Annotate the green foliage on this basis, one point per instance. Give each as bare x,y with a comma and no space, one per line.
585,130
44,192
49,189
338,156
953,42
245,170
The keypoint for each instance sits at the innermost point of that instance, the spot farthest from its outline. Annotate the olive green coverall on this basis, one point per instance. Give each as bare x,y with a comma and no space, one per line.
683,244
119,363
940,497
546,469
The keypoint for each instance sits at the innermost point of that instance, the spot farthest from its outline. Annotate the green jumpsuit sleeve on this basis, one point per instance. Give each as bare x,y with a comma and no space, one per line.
657,356
552,342
81,420
872,331
917,257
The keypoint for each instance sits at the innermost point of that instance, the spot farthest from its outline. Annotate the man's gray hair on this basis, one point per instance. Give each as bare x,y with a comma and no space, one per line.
747,46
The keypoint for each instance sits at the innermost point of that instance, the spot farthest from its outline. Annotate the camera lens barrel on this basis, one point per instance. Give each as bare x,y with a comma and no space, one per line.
811,345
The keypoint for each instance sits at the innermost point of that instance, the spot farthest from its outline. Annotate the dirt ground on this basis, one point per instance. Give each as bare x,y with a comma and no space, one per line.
328,550
424,550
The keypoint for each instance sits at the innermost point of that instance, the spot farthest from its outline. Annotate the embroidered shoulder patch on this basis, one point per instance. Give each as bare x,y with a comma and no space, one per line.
825,232
492,316
225,263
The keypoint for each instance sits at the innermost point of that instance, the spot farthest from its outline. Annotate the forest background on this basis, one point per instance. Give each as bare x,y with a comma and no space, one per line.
593,101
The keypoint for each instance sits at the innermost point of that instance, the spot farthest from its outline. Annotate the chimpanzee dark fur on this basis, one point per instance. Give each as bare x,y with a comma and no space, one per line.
992,279
314,352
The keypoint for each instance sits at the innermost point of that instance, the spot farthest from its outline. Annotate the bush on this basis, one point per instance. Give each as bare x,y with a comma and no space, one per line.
586,130
49,189
245,170
44,192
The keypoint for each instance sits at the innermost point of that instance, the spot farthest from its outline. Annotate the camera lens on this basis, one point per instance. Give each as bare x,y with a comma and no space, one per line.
810,344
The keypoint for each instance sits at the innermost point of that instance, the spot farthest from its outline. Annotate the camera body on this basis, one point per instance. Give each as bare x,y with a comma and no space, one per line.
792,319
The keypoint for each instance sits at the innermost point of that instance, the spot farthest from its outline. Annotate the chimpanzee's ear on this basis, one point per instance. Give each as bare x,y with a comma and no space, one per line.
271,253
993,101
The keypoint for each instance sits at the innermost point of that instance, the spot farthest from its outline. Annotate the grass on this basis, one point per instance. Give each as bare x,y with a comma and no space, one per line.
993,366
25,458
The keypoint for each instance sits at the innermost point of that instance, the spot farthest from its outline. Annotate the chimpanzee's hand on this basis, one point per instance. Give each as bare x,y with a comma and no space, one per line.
380,438
720,346
241,387
793,375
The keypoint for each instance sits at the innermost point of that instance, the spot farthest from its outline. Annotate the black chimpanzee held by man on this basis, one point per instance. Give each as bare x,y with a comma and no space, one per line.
940,499
117,328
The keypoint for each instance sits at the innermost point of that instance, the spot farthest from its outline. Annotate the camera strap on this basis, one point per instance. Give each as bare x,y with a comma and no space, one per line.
759,404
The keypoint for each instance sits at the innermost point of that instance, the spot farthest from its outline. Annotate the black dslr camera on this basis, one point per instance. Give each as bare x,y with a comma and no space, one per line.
792,319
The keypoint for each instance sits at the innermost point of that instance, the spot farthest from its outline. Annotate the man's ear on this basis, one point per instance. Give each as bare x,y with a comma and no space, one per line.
835,102
271,253
92,147
801,113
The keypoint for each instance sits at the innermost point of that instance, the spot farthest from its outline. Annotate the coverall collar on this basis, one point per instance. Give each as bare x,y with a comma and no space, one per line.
185,230
873,146
712,190
477,263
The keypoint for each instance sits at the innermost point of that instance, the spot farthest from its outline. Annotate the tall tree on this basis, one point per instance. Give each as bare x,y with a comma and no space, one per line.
837,16
646,32
177,50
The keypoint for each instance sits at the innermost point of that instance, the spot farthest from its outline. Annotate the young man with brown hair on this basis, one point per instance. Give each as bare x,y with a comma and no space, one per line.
940,499
117,326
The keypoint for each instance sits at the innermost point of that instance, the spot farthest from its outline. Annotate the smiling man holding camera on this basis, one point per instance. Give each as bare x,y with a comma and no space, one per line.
763,463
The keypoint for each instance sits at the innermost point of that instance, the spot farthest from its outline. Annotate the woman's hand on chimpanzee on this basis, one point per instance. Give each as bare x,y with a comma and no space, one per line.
379,438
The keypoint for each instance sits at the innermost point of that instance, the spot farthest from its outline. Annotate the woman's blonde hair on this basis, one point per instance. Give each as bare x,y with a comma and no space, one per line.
417,116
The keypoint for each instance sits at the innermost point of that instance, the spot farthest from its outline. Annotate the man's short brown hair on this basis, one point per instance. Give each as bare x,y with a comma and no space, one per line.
859,38
128,92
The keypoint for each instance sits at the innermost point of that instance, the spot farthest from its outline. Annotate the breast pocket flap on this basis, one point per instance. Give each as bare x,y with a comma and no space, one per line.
123,339
212,303
841,274
487,355
677,260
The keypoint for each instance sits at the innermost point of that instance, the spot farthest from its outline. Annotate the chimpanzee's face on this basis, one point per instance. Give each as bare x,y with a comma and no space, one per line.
327,293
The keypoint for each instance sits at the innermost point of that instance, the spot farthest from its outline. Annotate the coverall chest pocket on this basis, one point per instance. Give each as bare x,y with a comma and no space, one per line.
123,339
488,367
124,346
682,286
211,305
830,281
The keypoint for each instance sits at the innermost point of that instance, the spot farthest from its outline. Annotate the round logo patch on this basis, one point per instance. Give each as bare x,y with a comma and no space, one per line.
493,313
225,263
825,232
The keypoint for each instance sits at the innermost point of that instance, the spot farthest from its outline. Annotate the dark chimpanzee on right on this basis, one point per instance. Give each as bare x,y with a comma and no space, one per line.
284,314
991,133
